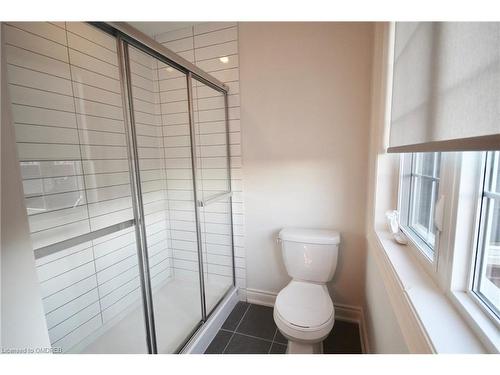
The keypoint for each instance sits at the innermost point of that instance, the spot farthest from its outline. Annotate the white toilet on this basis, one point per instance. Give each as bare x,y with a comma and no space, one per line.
304,310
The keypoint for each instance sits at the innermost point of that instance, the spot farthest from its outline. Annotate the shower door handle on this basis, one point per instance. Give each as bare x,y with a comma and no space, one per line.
214,198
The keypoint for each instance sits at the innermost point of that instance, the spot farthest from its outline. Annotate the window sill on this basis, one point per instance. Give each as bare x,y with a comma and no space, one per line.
478,319
427,317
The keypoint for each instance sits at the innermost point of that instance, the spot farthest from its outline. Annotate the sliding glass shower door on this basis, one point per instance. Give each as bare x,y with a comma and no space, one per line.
211,144
125,164
160,112
67,111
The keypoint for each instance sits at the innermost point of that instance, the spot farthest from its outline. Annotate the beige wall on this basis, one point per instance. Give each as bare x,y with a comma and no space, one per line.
382,328
305,102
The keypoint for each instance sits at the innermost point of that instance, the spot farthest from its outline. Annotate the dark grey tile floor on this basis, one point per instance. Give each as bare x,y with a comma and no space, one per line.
250,329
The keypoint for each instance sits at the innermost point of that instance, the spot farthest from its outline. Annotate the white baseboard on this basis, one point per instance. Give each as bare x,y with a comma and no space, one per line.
260,297
202,339
354,314
343,312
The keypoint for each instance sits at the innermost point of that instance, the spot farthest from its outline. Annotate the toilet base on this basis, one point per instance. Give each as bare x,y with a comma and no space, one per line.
295,347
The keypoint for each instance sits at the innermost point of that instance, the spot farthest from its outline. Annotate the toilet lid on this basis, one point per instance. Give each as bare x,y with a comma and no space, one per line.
304,304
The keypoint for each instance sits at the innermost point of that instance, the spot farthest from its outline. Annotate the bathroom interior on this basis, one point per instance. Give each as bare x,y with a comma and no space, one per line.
250,187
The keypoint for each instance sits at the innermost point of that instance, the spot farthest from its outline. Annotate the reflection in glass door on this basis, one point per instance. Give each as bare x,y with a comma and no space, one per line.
64,86
211,142
125,168
161,120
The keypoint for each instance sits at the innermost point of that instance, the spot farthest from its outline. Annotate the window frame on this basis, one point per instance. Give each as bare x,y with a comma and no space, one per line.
428,257
461,241
482,209
461,185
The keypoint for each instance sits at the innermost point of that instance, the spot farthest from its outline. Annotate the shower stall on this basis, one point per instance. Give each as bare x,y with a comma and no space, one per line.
123,148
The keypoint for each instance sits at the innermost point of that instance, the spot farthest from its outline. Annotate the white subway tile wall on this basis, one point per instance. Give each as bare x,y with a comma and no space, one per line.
145,100
214,48
213,178
68,117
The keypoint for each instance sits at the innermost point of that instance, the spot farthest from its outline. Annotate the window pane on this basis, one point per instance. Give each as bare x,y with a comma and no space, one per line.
488,282
497,172
423,196
487,273
495,226
426,163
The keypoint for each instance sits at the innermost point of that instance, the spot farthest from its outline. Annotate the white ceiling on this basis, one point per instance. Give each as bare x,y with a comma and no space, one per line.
155,28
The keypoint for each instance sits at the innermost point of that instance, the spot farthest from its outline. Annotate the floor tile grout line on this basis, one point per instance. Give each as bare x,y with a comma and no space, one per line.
233,333
272,342
238,320
253,337
243,316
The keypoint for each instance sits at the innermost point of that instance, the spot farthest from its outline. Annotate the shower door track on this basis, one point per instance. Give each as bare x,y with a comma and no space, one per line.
147,44
127,35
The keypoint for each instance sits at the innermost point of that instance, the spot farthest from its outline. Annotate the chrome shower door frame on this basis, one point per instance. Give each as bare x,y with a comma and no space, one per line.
136,192
125,36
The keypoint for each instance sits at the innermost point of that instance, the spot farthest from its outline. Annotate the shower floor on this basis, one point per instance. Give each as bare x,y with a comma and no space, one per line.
177,313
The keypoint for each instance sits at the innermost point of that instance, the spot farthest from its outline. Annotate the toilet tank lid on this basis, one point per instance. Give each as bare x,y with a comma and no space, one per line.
316,236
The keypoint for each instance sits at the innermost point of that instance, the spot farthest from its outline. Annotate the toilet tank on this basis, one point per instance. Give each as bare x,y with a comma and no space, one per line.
310,254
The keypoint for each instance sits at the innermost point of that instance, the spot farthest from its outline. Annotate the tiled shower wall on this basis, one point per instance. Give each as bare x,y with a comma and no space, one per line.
66,108
214,48
68,116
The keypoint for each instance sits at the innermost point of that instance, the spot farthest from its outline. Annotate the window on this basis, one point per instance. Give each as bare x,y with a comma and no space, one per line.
418,198
486,276
459,193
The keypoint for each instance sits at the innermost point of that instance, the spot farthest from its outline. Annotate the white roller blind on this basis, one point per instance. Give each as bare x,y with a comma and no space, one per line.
446,87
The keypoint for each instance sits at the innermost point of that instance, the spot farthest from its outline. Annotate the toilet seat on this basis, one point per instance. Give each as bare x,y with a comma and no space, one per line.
304,311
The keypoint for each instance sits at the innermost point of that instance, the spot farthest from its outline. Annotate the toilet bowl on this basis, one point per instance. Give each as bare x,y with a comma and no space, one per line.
304,311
